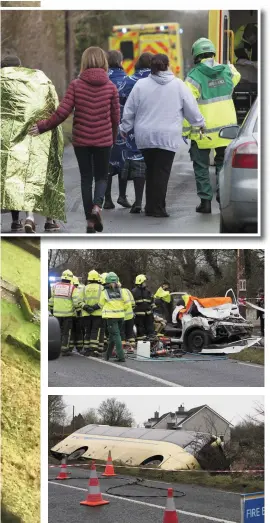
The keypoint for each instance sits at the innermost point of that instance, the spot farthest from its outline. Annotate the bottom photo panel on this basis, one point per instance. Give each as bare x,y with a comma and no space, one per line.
156,458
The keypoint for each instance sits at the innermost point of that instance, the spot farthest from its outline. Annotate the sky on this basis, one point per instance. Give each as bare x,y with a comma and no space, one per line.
234,408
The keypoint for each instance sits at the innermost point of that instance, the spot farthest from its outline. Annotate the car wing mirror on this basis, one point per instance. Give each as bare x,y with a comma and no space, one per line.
230,132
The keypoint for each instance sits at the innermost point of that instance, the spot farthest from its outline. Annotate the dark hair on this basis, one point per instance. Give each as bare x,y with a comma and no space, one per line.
202,56
11,61
159,62
114,58
144,61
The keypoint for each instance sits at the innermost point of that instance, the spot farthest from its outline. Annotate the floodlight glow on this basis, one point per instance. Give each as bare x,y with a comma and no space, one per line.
124,30
181,31
162,27
52,278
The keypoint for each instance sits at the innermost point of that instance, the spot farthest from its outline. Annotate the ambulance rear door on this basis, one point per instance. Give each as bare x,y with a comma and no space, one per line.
220,34
166,44
128,43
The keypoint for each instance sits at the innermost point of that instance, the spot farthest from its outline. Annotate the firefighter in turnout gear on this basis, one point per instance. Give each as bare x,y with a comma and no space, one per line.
128,337
78,321
144,303
163,301
113,305
65,302
212,84
92,314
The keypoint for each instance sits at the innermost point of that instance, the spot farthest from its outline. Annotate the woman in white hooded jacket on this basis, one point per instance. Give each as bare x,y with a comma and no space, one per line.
156,108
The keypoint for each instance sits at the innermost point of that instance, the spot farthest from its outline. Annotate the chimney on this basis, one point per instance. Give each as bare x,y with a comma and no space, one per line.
181,409
156,415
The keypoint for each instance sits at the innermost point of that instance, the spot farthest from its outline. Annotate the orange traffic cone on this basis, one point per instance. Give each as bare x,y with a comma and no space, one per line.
170,514
109,470
63,474
94,497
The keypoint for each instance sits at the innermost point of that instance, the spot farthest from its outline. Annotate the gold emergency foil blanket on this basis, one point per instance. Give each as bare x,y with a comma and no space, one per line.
31,167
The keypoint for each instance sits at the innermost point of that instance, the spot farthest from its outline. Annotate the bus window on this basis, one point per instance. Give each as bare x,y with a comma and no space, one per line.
126,48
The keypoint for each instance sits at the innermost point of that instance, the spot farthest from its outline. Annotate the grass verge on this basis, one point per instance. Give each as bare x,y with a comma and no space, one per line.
20,433
249,355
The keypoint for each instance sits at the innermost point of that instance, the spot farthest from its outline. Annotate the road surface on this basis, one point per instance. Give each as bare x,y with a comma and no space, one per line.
80,371
181,203
198,505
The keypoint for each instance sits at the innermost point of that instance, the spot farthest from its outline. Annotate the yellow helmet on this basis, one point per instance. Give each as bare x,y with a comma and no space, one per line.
103,277
141,278
67,275
93,276
75,280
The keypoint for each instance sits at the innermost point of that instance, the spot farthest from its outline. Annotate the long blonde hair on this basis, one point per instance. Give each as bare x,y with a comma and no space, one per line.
94,57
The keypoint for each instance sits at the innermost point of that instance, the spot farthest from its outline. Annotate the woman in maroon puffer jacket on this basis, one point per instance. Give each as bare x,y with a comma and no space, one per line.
96,118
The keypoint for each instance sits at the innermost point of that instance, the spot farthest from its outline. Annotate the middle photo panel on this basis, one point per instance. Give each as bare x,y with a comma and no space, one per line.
156,317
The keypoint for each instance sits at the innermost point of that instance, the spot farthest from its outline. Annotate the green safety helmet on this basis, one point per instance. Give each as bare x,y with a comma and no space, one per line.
112,278
141,278
67,275
201,46
103,277
75,280
93,276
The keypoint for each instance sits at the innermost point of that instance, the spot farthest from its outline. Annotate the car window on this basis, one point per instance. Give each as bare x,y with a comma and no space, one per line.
248,126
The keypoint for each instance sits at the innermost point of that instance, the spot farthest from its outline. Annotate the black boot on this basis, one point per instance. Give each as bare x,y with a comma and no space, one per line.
122,200
204,207
108,203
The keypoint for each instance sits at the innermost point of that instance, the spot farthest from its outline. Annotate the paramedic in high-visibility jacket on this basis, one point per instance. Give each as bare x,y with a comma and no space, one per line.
212,84
64,303
163,301
128,336
92,314
113,305
78,323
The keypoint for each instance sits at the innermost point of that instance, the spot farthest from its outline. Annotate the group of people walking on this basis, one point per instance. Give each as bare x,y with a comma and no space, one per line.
102,311
131,127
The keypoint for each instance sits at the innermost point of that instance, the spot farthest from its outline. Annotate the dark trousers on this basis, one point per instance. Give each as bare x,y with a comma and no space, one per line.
127,332
67,340
200,159
158,169
94,165
114,326
93,326
145,326
262,325
122,187
78,332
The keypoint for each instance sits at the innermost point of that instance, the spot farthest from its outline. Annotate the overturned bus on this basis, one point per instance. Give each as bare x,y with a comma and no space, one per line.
166,449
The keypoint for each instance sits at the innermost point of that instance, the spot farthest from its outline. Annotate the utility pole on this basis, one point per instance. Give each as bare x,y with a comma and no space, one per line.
69,47
241,280
73,418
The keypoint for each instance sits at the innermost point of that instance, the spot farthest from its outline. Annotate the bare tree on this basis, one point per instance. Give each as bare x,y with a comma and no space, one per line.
115,413
90,417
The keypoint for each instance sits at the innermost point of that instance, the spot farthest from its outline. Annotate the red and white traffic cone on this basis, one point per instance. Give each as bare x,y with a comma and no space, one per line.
170,514
94,496
63,474
109,469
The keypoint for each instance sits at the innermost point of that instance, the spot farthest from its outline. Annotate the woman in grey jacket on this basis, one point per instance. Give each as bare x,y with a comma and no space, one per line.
156,108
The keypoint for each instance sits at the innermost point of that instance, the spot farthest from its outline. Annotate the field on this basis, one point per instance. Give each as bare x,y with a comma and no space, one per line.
20,268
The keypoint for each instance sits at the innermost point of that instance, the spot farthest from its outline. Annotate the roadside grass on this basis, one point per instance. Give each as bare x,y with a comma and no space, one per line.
20,268
20,433
67,130
249,355
13,322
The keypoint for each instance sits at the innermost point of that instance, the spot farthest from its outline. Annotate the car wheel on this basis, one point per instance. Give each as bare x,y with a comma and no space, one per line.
54,345
197,340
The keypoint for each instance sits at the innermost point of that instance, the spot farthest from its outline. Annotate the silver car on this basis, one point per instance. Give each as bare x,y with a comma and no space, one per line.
238,179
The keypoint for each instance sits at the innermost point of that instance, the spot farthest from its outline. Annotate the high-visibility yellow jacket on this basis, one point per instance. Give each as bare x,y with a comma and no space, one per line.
212,85
80,290
113,303
92,294
163,295
65,300
130,302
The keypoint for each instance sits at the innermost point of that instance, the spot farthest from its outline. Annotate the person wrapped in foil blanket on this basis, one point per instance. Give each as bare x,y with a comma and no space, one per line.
31,168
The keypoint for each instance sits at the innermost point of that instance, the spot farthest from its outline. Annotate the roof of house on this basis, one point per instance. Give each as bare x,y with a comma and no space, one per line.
188,414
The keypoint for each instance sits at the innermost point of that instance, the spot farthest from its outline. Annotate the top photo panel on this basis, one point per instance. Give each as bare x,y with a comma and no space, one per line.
130,122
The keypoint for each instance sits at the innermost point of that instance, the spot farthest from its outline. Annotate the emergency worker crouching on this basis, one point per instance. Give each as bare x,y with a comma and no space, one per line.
64,303
212,84
78,334
163,301
92,314
113,305
144,303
